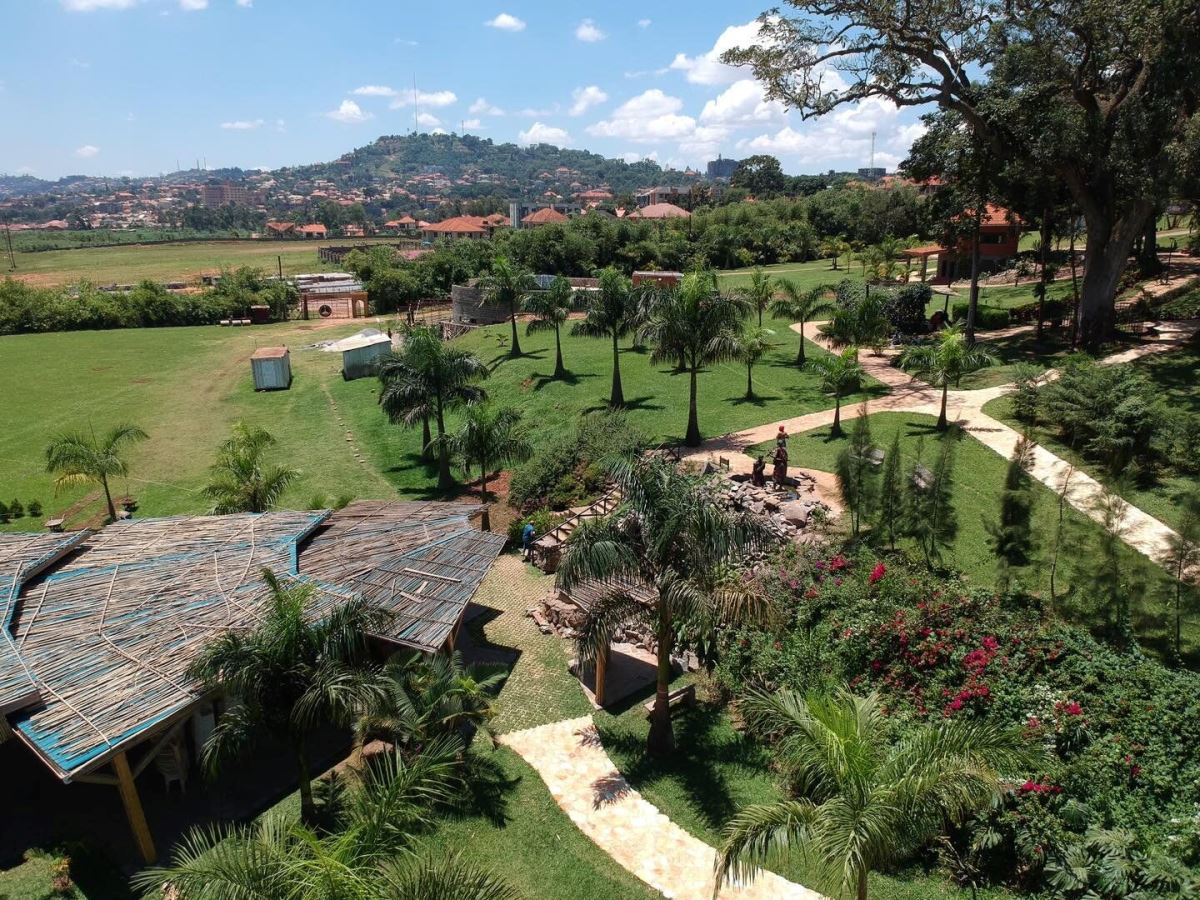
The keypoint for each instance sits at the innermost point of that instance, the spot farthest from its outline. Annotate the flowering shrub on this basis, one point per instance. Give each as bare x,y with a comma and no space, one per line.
1121,731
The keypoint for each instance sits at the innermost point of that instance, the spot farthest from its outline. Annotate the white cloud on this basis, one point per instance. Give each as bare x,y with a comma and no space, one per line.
585,98
80,63
473,125
242,124
407,42
90,5
633,156
374,90
587,32
25,170
506,22
643,23
842,139
280,125
482,107
428,121
436,99
349,113
650,116
534,112
193,5
643,73
742,103
87,151
245,4
539,133
707,68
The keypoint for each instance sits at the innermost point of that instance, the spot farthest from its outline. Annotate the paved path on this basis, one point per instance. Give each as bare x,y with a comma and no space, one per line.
1141,531
593,793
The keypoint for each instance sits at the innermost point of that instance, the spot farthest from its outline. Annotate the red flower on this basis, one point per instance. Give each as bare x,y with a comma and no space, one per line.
838,563
877,573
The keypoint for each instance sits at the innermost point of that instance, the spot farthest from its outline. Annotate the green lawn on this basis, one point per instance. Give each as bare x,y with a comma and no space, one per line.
978,480
1174,374
92,877
805,275
182,261
1015,351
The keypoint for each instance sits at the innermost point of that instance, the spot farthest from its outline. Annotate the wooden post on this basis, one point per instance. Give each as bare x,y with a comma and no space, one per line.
601,672
133,808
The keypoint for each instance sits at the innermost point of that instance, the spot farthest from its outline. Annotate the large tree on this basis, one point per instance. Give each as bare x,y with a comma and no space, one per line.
426,380
78,457
698,326
944,362
292,672
488,436
508,284
611,311
1113,83
672,536
800,305
551,308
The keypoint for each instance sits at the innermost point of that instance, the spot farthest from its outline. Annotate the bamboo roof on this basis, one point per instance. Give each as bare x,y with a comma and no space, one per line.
107,637
23,556
421,561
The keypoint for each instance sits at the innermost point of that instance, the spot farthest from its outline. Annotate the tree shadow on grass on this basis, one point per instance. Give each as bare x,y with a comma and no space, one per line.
631,405
759,400
570,378
496,361
486,786
699,765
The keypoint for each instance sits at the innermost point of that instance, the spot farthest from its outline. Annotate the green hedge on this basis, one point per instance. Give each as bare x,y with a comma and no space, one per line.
988,318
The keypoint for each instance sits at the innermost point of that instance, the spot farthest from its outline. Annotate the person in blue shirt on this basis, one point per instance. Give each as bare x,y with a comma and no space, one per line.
527,540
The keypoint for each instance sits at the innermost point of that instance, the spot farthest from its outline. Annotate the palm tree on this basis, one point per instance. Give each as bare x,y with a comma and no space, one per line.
759,292
369,855
427,697
78,457
697,324
434,379
508,284
241,481
611,312
671,535
291,673
405,397
753,343
488,436
551,307
945,362
797,305
861,323
839,374
831,248
863,801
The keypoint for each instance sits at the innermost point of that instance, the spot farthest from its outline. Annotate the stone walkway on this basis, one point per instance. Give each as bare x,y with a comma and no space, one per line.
593,793
1140,531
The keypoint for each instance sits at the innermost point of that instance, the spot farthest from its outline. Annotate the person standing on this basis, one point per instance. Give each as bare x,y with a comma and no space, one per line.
527,542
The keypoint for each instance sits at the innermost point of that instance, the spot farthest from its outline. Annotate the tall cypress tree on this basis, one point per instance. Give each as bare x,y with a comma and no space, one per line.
1011,537
931,518
857,475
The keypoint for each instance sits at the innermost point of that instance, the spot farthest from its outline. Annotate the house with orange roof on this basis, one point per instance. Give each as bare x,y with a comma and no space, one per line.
281,229
458,228
547,215
314,230
999,242
660,211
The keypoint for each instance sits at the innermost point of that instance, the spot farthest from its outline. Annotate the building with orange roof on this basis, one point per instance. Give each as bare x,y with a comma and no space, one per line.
458,227
660,211
547,215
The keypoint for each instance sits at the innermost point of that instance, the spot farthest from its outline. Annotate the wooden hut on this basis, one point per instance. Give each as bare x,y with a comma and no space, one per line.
272,369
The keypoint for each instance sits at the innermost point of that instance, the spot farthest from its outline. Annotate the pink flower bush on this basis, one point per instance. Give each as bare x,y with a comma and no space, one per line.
877,573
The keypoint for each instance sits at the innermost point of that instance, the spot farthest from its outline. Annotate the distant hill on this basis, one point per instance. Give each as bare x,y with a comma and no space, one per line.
457,156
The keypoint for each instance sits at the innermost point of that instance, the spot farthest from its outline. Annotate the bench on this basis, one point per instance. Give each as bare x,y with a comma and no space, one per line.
678,698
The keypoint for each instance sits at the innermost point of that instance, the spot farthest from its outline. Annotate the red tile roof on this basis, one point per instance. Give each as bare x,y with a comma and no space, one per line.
312,229
459,225
544,216
660,211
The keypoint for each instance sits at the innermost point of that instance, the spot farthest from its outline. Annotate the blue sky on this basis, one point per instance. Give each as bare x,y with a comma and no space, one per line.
137,86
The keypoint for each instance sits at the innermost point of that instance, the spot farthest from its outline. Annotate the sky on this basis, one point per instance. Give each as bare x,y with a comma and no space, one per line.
142,87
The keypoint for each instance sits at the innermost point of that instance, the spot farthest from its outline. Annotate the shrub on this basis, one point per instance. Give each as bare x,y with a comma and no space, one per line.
1027,383
35,509
3,512
16,509
541,519
987,318
905,308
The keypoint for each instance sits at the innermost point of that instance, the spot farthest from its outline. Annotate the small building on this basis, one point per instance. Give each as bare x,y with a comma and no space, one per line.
272,369
361,353
999,242
657,195
660,211
659,279
547,215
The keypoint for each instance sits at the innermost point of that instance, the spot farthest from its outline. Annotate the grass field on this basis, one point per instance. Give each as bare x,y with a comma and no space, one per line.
805,275
182,261
978,479
187,386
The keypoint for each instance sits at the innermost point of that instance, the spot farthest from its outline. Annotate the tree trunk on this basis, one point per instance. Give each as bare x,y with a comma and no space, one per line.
1046,236
942,422
1109,239
445,479
973,299
486,523
800,352
861,887
308,809
836,430
426,439
749,381
1148,264
661,740
512,317
112,510
693,427
559,371
617,398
